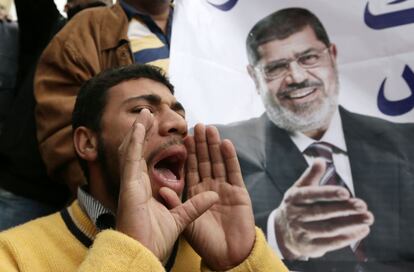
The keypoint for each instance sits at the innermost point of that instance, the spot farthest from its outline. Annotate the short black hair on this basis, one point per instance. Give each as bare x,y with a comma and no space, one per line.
91,100
280,25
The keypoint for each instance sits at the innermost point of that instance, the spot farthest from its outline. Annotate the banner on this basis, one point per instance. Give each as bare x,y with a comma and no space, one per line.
375,46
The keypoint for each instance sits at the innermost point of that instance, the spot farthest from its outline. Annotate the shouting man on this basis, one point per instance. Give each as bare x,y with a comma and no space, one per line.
130,137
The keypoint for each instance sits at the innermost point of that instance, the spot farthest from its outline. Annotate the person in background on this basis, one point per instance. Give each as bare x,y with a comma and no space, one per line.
8,59
130,135
26,191
131,31
304,140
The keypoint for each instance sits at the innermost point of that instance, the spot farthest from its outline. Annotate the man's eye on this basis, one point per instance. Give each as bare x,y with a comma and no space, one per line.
181,113
276,69
308,59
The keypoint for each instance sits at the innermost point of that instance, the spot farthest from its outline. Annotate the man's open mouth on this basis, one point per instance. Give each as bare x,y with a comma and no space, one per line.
169,164
169,168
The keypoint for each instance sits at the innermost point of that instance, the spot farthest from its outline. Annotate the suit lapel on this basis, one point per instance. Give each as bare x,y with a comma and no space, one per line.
375,181
284,163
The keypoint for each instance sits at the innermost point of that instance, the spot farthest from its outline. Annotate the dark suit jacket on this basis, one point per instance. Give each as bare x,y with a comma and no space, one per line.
381,155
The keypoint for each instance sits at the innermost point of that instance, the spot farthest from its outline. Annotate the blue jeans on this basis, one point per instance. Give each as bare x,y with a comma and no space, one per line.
15,210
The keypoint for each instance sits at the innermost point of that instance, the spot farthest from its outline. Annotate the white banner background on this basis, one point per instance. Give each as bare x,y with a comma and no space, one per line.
208,59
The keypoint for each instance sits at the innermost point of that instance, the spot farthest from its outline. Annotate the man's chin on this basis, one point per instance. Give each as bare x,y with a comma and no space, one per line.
302,119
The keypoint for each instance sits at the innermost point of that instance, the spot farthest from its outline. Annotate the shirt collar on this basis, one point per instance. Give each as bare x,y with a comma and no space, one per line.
334,135
102,217
131,12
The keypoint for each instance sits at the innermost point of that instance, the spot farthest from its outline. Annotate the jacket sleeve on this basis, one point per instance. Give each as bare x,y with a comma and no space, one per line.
38,21
70,59
262,258
113,251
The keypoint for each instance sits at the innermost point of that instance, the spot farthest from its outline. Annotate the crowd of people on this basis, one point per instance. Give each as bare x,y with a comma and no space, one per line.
96,157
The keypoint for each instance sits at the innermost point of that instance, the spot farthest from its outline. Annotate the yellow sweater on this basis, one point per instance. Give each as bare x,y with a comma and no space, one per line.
60,242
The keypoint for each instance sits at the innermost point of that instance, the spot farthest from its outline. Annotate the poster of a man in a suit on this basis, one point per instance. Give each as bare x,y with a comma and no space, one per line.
328,185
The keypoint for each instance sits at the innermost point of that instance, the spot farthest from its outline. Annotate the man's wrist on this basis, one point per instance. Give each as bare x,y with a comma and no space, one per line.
281,239
271,234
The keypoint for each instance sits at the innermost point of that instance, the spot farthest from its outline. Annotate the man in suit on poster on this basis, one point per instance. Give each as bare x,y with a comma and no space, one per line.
363,215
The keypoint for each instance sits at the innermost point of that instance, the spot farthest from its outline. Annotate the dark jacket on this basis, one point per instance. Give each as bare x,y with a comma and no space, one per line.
21,168
8,65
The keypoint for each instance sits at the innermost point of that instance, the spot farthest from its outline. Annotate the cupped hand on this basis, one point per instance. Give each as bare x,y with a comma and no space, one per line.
224,235
139,214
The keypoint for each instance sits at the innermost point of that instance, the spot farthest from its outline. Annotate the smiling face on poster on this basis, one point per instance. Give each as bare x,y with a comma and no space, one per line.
297,80
375,58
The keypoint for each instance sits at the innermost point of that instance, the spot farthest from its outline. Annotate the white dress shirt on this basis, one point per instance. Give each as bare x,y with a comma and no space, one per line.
334,136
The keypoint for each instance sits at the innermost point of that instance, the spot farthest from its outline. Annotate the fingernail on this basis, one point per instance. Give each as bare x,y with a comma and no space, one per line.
145,110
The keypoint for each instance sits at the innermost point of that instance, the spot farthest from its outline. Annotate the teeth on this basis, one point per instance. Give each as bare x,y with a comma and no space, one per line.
300,93
168,175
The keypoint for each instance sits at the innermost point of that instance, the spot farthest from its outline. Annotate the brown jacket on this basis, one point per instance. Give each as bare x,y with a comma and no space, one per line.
94,40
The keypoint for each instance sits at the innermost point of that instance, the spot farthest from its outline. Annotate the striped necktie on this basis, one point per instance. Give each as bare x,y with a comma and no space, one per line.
324,150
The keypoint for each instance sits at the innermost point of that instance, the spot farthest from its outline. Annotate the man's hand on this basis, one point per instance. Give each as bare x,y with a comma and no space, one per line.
313,220
224,235
139,215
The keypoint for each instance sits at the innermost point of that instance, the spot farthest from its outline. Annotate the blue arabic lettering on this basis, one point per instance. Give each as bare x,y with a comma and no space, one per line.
400,107
226,6
396,2
391,19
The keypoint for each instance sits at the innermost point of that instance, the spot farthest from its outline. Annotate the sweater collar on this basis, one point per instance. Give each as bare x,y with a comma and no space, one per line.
80,224
101,216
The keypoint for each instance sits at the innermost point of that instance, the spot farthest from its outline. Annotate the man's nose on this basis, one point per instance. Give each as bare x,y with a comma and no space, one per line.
172,123
296,73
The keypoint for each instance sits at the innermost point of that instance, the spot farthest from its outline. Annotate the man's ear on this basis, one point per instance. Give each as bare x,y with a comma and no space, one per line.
333,51
253,76
86,143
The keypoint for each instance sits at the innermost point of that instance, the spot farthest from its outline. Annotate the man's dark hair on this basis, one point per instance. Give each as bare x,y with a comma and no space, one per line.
91,100
280,25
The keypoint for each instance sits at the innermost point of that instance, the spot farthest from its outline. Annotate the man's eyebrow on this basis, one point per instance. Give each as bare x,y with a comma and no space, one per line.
154,100
151,98
306,51
177,106
284,60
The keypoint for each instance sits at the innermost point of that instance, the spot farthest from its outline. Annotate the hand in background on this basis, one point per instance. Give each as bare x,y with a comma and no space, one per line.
313,220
